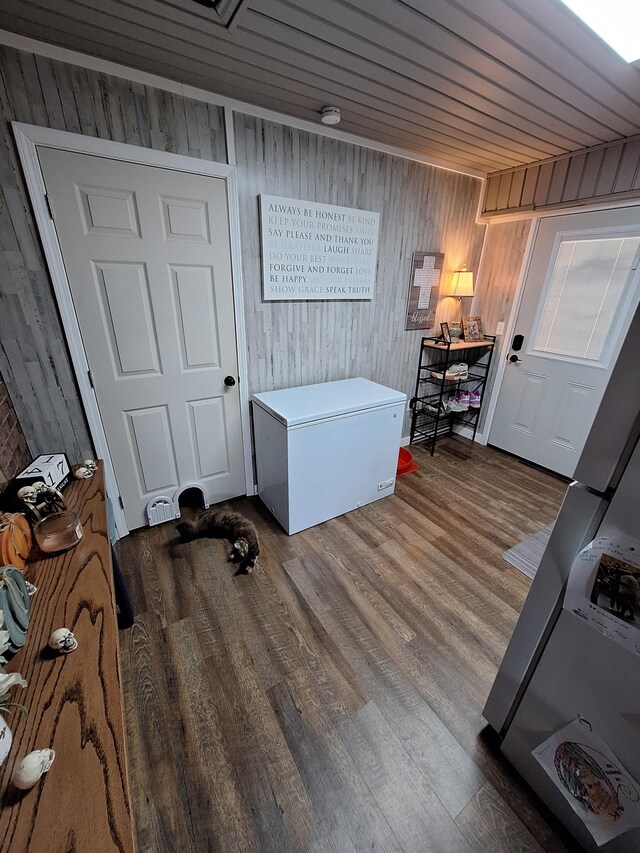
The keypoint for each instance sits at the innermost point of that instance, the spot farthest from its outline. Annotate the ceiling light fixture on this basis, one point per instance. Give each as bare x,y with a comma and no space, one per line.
614,21
330,115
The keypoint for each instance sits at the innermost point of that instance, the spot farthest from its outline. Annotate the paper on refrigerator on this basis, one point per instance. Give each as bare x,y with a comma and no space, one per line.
604,590
592,780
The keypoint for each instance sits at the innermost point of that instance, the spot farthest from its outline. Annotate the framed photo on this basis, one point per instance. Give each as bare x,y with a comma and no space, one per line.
472,328
424,289
616,588
446,335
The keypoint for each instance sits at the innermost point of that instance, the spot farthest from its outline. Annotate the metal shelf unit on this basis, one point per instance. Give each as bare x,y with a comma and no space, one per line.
428,421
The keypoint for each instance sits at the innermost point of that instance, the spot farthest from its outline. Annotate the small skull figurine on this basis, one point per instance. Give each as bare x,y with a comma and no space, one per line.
32,768
27,494
91,464
62,640
82,473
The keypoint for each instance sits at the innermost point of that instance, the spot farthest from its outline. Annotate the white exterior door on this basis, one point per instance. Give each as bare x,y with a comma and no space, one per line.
579,295
148,259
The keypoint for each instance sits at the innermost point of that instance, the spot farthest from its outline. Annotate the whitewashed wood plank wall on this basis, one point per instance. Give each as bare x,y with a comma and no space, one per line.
33,355
502,261
603,173
423,208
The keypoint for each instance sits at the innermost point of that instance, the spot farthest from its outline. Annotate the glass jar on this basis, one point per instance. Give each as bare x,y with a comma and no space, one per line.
455,330
58,532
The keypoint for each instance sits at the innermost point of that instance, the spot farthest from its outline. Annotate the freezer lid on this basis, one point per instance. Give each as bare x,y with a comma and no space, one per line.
308,403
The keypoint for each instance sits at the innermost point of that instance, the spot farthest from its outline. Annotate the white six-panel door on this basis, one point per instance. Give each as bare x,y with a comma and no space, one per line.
148,260
579,295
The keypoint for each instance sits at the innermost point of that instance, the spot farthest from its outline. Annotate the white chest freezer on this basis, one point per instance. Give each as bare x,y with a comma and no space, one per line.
323,450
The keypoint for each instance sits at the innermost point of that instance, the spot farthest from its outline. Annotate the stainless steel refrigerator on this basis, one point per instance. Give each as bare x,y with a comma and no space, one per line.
558,667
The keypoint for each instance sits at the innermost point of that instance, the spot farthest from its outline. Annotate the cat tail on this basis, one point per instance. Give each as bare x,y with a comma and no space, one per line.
254,550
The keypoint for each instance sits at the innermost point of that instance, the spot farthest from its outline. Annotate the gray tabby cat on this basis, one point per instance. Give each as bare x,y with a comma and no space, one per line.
225,524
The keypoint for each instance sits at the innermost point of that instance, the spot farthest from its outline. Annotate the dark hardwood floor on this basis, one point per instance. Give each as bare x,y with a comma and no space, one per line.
331,701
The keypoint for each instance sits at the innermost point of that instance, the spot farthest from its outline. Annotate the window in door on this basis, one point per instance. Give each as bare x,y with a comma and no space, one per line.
585,291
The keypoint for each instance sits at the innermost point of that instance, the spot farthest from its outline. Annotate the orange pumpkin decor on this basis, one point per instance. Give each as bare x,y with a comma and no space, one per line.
15,539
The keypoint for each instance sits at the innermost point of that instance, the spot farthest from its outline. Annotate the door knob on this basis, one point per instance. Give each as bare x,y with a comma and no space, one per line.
229,380
514,359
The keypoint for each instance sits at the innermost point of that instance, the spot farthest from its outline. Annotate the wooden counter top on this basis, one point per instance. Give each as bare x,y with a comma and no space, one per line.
74,702
461,345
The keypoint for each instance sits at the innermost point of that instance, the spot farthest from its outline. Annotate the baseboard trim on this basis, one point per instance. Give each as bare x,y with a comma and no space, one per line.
467,432
463,430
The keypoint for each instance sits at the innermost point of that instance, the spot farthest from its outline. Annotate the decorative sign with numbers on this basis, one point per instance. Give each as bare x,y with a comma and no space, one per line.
51,468
317,251
424,287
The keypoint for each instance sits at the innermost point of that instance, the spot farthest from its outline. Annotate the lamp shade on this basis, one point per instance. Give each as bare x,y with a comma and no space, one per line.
462,283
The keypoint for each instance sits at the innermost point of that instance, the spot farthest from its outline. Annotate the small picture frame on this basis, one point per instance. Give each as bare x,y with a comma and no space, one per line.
472,328
445,333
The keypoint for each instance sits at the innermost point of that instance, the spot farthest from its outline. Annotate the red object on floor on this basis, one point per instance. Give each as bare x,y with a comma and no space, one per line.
406,465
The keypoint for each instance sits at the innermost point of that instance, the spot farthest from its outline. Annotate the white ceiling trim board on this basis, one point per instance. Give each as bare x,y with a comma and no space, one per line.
561,209
104,66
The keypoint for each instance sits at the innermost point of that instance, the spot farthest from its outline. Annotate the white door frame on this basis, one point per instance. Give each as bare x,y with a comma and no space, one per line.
28,137
519,293
509,329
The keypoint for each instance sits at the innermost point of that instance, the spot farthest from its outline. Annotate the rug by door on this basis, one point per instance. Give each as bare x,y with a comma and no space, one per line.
526,556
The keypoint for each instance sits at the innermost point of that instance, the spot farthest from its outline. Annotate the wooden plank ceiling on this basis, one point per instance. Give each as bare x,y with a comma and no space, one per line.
485,84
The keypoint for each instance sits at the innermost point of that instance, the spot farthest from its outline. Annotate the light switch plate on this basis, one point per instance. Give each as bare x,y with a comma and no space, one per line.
499,328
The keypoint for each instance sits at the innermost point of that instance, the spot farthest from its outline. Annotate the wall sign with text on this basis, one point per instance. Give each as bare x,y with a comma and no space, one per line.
317,251
424,289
